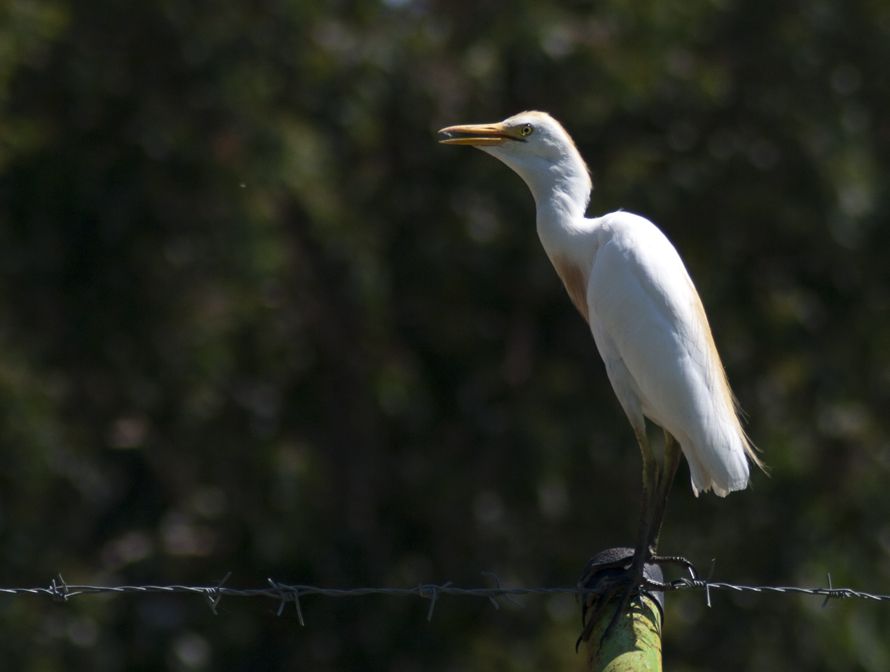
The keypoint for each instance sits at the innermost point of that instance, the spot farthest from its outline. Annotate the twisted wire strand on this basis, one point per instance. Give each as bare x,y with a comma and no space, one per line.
285,593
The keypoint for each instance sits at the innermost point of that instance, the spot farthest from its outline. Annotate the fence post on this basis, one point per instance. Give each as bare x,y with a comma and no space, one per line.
634,642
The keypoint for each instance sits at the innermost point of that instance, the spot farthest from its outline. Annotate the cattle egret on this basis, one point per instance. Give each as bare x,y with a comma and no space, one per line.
648,323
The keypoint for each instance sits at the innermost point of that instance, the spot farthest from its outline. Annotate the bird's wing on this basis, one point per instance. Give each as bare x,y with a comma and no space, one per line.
651,329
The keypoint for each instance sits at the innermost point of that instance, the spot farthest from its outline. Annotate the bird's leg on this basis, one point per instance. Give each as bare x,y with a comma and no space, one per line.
656,488
665,481
648,508
642,550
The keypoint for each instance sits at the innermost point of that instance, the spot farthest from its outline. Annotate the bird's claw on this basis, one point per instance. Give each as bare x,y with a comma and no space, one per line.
675,560
626,574
627,581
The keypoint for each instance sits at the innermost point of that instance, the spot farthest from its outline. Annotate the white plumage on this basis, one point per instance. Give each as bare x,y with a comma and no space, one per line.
650,328
647,320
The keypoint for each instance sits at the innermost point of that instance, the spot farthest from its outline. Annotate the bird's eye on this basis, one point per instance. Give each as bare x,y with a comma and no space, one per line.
526,130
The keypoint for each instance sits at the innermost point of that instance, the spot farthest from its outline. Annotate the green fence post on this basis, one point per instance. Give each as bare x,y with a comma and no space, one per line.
634,642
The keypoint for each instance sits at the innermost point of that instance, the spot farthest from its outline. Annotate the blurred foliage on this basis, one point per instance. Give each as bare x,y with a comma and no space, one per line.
254,319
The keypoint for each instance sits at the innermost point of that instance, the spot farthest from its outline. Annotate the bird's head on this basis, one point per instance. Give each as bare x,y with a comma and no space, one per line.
534,145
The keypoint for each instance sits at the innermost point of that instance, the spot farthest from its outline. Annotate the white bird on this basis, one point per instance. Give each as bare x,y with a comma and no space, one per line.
647,320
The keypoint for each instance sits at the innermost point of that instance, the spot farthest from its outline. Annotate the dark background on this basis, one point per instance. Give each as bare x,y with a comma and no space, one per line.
254,319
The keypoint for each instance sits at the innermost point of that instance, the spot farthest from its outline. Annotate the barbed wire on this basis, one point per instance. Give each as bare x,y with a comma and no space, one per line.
284,593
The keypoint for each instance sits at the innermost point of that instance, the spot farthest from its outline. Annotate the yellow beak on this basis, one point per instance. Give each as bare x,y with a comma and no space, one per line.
478,135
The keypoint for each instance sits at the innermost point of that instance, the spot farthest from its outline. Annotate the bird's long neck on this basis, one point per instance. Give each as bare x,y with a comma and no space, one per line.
561,190
561,194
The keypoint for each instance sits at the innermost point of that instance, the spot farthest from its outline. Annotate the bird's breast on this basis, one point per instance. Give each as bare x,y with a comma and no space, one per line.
575,281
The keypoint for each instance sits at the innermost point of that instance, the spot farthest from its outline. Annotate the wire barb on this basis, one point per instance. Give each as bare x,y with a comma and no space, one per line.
59,589
708,581
432,592
214,594
285,594
298,607
830,587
